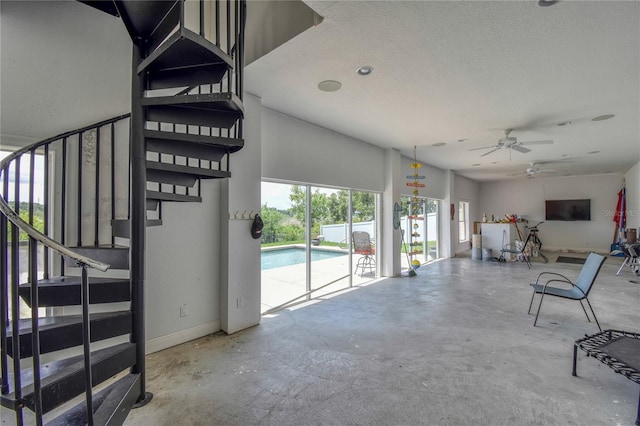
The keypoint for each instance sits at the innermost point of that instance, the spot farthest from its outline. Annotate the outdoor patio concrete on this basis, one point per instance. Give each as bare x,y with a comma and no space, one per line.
452,346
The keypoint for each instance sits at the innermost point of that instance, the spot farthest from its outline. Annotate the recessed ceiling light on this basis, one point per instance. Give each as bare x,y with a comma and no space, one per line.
477,164
545,3
439,144
564,123
603,117
365,70
329,85
593,152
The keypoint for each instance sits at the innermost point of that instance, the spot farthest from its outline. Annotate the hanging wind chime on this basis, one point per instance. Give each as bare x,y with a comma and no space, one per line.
414,214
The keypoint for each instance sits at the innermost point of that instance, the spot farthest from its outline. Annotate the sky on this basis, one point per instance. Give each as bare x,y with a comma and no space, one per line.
276,195
24,178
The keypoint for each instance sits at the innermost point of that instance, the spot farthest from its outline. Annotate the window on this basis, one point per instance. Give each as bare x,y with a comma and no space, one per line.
463,221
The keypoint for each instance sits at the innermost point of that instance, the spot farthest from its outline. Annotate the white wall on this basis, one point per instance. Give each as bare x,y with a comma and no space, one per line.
632,183
64,65
526,197
434,180
239,252
297,151
183,267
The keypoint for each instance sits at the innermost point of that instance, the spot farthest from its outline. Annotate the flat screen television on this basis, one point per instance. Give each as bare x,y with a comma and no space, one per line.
567,210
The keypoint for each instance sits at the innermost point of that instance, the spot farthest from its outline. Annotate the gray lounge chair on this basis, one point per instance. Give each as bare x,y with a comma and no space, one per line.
577,291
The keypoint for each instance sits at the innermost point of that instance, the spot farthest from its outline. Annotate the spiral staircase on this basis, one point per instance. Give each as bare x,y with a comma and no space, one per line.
72,280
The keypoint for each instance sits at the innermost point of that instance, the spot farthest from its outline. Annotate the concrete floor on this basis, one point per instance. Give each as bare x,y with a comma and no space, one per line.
451,346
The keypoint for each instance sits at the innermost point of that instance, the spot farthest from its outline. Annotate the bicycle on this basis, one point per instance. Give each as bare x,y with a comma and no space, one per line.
535,240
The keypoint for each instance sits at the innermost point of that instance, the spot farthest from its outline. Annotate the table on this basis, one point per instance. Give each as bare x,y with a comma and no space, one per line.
620,350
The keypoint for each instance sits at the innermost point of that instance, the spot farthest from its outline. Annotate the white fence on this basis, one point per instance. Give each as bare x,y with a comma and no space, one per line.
339,232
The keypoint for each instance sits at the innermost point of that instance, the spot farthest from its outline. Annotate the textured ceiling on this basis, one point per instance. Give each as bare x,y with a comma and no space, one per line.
446,71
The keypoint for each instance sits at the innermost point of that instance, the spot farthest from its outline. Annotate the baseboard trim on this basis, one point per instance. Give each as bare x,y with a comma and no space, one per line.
179,337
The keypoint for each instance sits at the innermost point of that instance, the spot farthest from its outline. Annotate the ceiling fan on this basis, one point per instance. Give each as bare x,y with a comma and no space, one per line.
511,143
532,171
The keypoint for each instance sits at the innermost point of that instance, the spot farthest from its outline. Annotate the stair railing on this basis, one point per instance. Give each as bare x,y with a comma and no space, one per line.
41,244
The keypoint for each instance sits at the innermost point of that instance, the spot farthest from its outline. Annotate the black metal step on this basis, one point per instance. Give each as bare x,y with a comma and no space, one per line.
110,406
157,173
122,227
66,291
210,109
63,380
103,5
149,20
63,332
211,148
168,196
185,59
117,257
177,174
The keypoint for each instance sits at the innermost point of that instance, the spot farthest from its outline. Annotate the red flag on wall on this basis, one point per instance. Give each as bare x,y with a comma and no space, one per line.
620,217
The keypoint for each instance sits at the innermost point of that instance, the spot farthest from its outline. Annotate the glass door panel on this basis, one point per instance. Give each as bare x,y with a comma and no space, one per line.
283,248
364,232
329,237
431,231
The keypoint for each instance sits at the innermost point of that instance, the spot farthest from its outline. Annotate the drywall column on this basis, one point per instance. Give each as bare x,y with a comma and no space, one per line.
240,253
391,237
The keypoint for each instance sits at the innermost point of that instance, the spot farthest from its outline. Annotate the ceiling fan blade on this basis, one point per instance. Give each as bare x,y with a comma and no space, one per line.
536,143
484,147
516,174
487,153
520,148
546,171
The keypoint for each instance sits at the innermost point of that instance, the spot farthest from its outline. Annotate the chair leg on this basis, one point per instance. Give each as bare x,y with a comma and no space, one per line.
626,259
531,303
585,311
539,306
593,313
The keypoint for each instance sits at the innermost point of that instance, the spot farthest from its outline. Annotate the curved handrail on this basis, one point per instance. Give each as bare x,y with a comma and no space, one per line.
13,216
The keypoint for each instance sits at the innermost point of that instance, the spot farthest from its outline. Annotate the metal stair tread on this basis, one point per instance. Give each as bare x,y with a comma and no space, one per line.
55,371
49,323
182,49
62,332
208,101
228,144
111,404
167,196
143,18
116,256
188,170
65,291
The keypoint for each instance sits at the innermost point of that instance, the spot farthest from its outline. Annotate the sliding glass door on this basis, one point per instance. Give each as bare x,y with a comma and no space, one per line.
307,243
419,223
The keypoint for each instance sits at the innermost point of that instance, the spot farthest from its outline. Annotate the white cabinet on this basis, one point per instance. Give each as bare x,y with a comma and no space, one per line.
496,235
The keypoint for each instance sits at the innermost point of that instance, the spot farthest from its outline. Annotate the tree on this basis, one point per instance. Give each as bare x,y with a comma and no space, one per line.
319,207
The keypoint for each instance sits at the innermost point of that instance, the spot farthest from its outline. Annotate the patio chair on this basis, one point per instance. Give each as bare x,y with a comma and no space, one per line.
362,245
631,258
578,290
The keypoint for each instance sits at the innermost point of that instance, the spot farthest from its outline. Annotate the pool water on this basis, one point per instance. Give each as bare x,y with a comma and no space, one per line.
290,256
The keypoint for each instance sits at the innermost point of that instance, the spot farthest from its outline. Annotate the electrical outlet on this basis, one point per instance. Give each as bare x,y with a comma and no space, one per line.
240,302
184,310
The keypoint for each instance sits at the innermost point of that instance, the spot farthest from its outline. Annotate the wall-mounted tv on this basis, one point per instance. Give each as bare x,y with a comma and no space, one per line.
567,209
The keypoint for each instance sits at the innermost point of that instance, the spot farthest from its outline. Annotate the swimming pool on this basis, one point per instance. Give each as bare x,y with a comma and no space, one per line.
271,259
